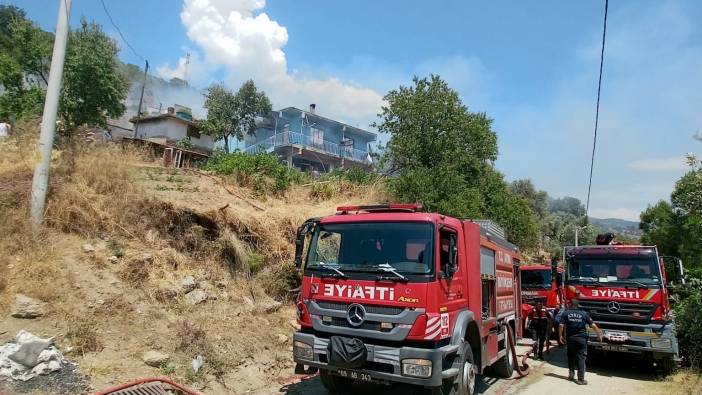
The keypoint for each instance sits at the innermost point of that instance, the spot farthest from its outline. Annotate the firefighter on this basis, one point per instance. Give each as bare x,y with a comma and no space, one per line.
539,324
573,332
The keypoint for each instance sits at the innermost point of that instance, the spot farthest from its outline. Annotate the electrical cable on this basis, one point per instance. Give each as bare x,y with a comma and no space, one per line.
104,7
597,110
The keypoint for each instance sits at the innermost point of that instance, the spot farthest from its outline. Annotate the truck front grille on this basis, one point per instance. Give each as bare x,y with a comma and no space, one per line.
630,312
384,310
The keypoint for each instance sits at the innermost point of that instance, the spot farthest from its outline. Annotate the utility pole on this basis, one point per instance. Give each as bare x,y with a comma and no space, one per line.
141,99
40,182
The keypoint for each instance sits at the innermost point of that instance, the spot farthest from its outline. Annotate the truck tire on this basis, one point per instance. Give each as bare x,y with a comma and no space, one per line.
335,384
464,382
667,365
504,367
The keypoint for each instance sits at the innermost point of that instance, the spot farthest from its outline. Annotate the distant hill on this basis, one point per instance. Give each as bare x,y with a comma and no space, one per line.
618,226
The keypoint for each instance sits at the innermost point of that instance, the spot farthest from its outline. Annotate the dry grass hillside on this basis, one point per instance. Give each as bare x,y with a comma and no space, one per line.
123,236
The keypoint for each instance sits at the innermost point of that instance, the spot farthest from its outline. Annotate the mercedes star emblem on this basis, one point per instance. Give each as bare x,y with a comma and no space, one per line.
613,307
356,314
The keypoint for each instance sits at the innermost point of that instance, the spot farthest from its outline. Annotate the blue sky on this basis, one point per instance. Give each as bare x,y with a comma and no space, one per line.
532,66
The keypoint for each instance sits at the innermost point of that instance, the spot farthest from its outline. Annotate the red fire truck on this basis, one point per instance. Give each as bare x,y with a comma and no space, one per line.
393,294
539,284
624,289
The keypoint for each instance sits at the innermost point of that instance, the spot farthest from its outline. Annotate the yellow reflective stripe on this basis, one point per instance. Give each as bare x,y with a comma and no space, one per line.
650,294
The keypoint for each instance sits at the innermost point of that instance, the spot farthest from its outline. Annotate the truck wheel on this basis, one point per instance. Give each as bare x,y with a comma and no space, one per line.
668,365
335,384
505,365
464,382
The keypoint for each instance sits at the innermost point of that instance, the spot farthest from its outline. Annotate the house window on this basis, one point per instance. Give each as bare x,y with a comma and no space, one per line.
317,137
193,132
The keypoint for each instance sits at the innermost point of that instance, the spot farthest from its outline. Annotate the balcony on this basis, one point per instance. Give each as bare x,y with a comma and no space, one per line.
288,139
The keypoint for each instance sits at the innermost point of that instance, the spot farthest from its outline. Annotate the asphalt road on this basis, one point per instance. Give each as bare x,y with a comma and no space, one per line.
617,374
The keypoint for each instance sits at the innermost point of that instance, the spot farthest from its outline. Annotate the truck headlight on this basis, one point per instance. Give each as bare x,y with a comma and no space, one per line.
661,343
416,367
303,350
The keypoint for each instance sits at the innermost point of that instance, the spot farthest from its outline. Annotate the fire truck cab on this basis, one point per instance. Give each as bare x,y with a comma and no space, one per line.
542,283
392,294
625,291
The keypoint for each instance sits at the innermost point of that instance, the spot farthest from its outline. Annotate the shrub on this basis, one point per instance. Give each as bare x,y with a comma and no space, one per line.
260,171
185,143
689,328
355,174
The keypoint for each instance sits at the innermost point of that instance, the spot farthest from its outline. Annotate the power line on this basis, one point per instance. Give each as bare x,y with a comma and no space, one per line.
104,7
597,110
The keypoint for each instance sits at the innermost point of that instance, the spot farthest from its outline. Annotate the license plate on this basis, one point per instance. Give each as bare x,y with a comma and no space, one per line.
608,347
619,337
354,375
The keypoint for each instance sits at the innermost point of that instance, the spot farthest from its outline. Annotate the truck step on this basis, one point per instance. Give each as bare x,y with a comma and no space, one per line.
448,373
448,350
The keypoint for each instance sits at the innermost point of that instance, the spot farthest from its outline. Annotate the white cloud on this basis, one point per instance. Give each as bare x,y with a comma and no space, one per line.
673,164
236,36
698,135
621,213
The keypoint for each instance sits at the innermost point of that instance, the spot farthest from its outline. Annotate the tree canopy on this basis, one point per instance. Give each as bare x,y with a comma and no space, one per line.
92,87
25,53
441,154
233,115
676,227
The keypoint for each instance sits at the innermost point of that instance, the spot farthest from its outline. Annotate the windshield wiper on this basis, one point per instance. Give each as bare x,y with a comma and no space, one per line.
386,267
638,284
339,273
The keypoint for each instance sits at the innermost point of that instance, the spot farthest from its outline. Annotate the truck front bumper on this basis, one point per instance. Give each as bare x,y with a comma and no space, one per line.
383,364
662,344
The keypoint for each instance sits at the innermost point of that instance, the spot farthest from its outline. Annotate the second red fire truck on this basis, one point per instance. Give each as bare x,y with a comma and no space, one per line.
393,294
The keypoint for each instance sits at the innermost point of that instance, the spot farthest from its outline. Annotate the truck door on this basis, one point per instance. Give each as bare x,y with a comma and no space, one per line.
451,280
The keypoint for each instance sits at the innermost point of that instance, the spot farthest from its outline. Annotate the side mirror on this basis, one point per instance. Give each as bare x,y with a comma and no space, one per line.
453,257
306,228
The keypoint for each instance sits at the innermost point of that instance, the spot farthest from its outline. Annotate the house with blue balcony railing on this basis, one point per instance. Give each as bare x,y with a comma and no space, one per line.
307,140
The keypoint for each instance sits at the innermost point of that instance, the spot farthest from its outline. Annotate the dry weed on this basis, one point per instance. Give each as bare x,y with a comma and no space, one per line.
82,333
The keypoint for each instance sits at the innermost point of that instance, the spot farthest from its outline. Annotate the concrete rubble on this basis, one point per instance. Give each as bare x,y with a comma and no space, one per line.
29,356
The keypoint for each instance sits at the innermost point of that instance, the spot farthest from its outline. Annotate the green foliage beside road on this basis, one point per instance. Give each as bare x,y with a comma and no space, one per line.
676,227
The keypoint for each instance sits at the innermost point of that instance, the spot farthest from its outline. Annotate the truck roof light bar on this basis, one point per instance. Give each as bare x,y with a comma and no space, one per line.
411,207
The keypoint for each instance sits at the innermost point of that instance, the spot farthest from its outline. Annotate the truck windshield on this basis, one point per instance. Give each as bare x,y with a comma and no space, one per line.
636,270
533,279
369,247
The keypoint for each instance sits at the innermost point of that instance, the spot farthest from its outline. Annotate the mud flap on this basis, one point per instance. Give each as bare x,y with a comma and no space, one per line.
347,352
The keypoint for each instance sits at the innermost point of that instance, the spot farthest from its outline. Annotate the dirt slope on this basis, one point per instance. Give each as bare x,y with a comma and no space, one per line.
124,236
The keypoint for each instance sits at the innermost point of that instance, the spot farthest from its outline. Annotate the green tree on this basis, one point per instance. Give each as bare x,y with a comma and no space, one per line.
25,52
676,227
233,115
568,205
538,200
93,88
220,103
441,154
250,103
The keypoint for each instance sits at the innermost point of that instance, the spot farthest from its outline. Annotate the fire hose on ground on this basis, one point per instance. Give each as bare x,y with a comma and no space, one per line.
523,369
